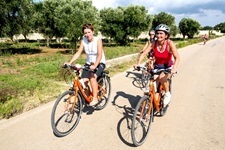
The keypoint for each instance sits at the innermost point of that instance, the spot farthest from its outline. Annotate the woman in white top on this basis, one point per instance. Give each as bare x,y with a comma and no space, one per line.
95,59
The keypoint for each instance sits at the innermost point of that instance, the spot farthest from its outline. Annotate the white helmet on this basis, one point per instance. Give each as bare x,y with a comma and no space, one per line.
163,27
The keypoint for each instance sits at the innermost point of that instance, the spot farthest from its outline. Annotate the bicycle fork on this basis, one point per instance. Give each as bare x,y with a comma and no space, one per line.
145,113
71,100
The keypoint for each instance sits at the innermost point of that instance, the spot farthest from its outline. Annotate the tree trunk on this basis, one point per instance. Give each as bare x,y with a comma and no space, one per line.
74,45
183,37
25,38
48,41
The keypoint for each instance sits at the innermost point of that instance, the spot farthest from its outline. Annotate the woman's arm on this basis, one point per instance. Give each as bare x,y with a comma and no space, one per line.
145,52
176,56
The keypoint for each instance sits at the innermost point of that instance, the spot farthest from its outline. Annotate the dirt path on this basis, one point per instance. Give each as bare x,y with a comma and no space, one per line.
195,119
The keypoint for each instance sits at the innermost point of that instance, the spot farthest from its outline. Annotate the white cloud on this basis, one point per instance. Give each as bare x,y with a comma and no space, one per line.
156,4
206,17
100,4
200,10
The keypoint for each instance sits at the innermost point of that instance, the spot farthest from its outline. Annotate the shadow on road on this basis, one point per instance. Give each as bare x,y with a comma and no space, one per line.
124,124
136,79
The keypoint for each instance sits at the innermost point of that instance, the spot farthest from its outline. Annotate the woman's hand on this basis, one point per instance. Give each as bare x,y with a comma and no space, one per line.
67,63
92,67
135,66
173,71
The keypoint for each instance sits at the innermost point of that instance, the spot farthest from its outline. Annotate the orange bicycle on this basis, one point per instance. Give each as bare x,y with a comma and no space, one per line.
67,109
148,106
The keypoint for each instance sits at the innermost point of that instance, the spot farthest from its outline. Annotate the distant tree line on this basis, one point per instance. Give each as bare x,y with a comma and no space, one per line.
65,18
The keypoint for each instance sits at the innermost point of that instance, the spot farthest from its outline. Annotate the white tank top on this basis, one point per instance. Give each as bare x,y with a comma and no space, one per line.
91,50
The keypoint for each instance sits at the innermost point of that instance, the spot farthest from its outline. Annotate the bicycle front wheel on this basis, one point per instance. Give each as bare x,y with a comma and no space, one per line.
142,119
145,78
104,92
65,113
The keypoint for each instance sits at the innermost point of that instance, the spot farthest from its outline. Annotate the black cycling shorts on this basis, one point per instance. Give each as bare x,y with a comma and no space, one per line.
97,71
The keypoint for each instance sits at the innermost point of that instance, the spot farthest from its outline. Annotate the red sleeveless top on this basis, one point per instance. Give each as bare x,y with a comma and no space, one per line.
164,57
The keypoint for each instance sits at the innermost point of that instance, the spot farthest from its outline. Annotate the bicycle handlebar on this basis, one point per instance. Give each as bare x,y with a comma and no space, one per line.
140,68
154,71
77,67
166,71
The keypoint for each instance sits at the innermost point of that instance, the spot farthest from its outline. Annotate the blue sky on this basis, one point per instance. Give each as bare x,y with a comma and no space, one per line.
206,12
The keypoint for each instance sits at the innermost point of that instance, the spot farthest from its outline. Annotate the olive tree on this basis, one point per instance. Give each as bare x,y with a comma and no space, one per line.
15,17
189,27
220,27
124,22
165,18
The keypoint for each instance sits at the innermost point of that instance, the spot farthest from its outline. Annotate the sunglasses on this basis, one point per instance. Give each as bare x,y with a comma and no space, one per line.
151,34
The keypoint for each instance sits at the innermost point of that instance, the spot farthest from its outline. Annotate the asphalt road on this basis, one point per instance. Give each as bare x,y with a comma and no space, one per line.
195,119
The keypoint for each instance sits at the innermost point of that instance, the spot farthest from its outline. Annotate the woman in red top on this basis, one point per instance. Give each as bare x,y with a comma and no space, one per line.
164,49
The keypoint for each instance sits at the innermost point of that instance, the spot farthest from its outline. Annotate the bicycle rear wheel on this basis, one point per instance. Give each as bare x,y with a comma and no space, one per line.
105,84
64,117
142,119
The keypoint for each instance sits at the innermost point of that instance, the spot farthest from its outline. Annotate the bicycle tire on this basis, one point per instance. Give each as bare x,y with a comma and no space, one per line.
142,125
106,84
163,110
62,120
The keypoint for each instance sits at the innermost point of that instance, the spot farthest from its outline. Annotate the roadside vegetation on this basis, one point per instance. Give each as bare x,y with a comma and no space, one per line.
31,74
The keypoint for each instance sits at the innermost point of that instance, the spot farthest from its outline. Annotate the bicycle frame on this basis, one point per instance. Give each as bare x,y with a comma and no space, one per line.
78,87
152,93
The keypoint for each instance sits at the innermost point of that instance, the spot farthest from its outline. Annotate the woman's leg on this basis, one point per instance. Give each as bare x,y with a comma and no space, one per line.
94,86
94,83
87,89
163,80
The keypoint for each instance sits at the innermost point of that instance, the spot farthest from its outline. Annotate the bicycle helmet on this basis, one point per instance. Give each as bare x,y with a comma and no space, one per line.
163,27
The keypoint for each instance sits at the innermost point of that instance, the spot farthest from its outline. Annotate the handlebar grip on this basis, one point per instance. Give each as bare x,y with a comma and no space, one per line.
138,68
65,66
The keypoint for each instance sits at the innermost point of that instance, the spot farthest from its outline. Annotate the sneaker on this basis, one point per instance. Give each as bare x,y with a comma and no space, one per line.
93,102
167,97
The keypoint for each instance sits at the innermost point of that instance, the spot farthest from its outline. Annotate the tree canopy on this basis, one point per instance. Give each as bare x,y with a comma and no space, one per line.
122,22
64,18
71,15
14,16
221,27
189,27
165,18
